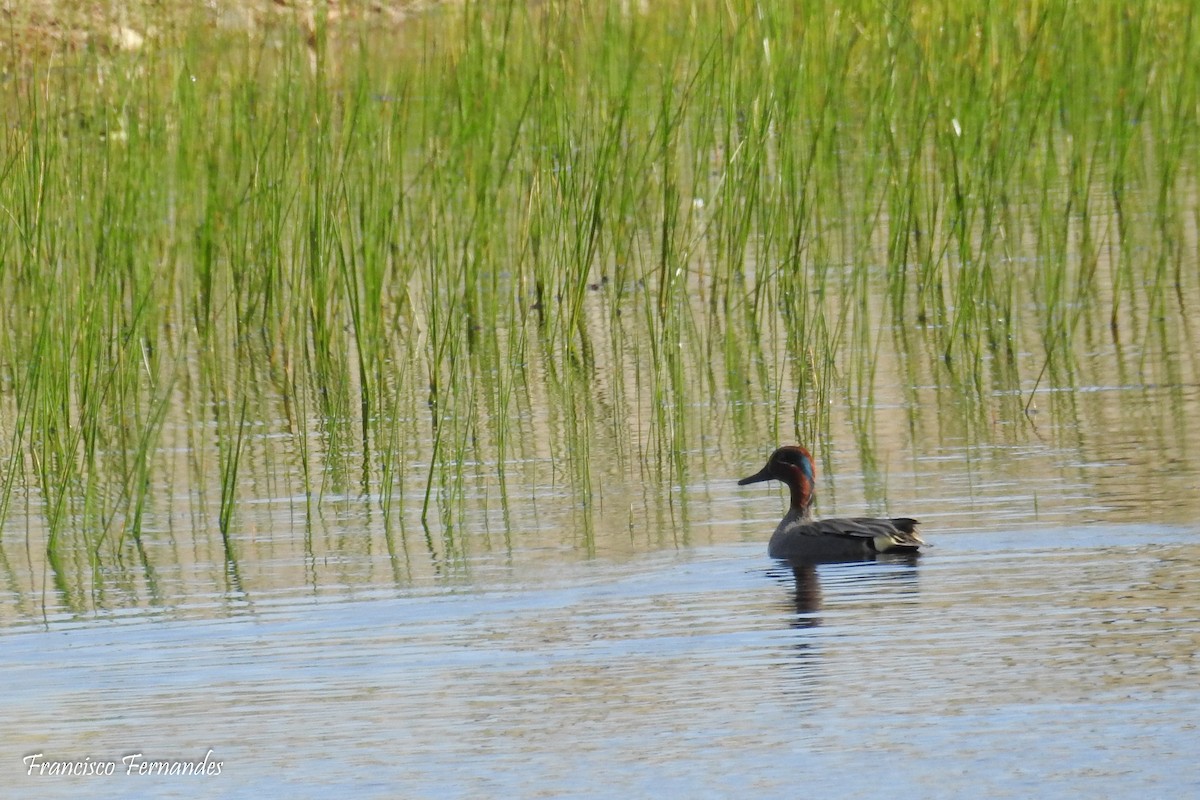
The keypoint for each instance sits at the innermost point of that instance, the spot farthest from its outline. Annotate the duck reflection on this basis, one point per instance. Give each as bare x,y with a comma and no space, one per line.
808,592
832,595
885,575
802,578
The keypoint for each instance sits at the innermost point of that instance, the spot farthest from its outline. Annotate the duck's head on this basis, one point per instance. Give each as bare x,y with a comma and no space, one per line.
793,465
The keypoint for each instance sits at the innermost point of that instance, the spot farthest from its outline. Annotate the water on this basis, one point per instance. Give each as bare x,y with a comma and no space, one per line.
1049,662
1046,645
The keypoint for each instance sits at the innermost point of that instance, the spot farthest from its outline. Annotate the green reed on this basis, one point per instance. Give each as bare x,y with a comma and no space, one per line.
511,242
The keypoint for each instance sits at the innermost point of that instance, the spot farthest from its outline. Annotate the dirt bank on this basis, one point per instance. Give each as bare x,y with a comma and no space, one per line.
32,27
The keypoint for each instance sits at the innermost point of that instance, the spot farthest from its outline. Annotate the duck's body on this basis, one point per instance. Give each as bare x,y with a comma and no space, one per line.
799,537
805,538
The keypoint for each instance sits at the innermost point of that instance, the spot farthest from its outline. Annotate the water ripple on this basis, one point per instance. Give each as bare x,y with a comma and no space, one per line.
983,670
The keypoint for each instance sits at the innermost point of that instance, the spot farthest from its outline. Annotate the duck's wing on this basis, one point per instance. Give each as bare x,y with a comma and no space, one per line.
884,534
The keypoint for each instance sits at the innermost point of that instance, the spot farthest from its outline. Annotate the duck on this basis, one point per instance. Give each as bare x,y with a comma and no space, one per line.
801,538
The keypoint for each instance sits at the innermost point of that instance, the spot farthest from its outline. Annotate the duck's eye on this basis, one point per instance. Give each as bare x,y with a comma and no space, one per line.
799,459
791,457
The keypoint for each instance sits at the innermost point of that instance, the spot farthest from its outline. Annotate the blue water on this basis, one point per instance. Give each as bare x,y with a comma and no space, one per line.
1031,662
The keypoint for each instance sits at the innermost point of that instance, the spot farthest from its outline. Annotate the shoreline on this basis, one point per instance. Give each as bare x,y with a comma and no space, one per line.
45,27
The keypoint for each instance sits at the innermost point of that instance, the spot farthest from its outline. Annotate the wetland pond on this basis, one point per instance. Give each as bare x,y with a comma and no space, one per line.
1029,653
371,408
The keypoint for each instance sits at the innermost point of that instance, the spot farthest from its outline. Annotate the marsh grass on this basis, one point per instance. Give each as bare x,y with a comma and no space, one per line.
525,245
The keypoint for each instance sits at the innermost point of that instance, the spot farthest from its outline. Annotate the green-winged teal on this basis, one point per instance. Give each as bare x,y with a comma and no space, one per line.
799,537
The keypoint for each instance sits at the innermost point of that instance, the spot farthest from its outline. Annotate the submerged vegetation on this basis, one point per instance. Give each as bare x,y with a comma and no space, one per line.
507,245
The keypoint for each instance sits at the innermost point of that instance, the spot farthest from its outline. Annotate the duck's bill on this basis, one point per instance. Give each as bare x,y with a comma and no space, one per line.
758,477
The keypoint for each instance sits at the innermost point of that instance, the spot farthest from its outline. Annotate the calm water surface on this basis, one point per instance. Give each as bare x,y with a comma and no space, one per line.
1046,646
1021,661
